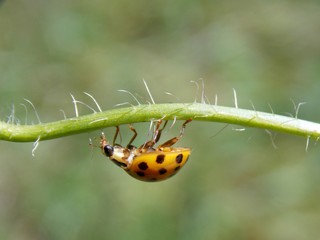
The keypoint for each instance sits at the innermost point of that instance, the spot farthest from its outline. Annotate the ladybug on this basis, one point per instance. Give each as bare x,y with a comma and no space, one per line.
148,163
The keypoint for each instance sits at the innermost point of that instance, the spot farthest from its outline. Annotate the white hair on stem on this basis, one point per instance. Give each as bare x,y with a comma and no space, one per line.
11,116
253,107
98,120
296,107
94,100
207,100
35,146
26,110
122,104
34,109
84,104
204,98
272,138
203,95
307,143
75,105
238,129
170,94
197,85
174,121
64,114
134,97
145,84
235,98
271,108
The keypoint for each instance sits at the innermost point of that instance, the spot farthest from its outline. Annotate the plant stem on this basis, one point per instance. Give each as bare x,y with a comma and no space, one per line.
146,113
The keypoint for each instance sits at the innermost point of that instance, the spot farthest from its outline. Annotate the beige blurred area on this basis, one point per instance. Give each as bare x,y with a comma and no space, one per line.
238,184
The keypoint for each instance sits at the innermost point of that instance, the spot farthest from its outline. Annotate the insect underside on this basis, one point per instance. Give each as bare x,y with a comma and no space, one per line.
146,162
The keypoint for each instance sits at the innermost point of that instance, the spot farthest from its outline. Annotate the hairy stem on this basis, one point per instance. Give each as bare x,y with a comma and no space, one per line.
146,113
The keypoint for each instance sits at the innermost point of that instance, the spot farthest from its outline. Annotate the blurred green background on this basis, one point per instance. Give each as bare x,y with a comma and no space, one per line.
236,185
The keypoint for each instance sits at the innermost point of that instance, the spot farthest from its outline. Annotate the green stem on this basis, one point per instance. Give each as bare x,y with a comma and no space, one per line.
146,113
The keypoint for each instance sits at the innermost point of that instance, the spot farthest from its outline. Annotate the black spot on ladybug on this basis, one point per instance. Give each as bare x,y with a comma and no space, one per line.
139,173
179,158
177,168
143,166
160,158
162,171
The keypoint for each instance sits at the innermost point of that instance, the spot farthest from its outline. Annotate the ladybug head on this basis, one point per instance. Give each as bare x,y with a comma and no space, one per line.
108,150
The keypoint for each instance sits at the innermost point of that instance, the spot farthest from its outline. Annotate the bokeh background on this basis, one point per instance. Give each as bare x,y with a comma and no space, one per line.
236,185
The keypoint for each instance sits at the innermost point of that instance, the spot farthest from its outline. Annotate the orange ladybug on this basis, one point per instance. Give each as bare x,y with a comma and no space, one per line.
146,162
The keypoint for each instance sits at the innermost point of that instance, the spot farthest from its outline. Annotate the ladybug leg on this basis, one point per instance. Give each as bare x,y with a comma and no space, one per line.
172,141
133,137
103,141
156,136
157,133
116,135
